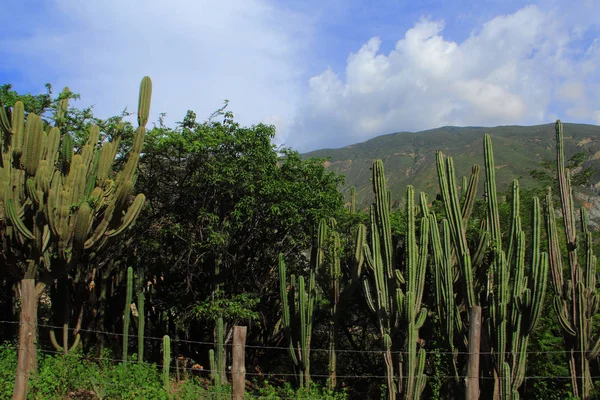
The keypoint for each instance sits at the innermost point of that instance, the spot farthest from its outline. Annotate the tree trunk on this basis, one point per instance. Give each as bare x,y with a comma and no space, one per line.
472,381
27,354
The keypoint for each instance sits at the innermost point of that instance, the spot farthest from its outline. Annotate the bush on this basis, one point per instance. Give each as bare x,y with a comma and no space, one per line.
76,376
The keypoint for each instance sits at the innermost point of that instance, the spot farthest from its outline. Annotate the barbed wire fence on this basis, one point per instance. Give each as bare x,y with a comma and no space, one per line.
266,375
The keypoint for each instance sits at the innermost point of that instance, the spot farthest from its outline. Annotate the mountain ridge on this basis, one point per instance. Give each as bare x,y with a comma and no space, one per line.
409,157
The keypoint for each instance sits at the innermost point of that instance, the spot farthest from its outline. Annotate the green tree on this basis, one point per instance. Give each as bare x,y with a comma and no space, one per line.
223,202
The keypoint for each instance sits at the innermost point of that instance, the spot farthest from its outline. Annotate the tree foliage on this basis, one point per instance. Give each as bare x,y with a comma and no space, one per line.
223,202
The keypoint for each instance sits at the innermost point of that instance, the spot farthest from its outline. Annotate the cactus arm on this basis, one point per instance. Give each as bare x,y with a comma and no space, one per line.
129,219
470,194
11,213
214,373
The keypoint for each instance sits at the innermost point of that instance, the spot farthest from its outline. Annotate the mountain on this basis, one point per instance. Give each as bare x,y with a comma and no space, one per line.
409,158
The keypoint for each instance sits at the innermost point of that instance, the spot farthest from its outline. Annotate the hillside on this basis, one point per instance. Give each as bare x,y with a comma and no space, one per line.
409,158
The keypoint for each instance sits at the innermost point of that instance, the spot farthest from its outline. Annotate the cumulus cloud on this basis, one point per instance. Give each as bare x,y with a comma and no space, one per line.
527,67
514,69
197,52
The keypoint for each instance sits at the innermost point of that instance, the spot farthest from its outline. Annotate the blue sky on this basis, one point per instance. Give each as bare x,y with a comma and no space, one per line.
326,73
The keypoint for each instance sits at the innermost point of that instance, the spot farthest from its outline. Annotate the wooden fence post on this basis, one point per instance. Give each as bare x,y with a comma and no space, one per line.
472,380
238,373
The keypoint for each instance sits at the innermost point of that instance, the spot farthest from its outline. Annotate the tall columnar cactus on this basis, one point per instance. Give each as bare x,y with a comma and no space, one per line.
513,313
487,274
166,362
337,277
352,200
217,361
452,259
214,371
141,317
127,313
56,205
220,361
576,298
394,296
297,306
328,254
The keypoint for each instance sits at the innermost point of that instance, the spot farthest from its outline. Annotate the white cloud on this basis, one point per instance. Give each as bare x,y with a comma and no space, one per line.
574,91
521,68
197,53
512,70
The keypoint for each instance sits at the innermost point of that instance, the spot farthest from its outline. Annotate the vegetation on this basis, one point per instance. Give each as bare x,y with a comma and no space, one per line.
401,300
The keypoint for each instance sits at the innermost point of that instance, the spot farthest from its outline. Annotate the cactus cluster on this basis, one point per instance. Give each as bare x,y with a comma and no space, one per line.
337,278
510,288
297,306
513,311
575,294
57,201
56,197
328,256
395,295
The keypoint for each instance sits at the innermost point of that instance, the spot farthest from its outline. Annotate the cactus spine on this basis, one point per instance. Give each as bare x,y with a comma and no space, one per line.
576,299
393,296
166,362
298,306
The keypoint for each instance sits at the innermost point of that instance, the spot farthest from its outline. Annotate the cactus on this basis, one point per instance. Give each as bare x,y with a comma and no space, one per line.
220,361
297,308
141,318
352,200
66,301
217,363
328,263
393,296
452,262
127,313
214,371
513,314
56,206
336,277
166,362
576,299
65,348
